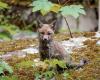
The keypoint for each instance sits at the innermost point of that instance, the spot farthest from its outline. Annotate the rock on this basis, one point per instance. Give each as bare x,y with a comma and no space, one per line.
72,22
18,53
98,43
97,35
88,22
74,43
30,50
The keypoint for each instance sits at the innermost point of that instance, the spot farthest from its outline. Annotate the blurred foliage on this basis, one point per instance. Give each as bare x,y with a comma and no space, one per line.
49,69
25,64
7,30
18,15
45,6
73,10
8,78
3,5
54,62
5,68
21,14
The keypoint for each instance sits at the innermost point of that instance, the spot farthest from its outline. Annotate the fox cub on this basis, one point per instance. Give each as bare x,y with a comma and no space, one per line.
49,48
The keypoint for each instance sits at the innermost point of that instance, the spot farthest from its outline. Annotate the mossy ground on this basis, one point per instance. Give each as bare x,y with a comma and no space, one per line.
23,66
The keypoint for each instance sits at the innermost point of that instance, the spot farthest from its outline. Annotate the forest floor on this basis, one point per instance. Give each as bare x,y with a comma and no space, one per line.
87,47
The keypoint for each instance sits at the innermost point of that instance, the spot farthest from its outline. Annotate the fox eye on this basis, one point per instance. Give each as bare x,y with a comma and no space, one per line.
49,33
42,32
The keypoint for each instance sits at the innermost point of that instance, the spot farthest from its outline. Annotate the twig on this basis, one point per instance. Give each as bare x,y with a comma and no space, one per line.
66,2
59,2
68,27
66,19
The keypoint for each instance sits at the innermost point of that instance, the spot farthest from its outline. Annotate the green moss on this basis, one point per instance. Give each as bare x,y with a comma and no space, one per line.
24,64
9,78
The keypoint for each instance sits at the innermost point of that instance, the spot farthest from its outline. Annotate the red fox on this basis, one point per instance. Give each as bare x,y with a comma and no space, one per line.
48,48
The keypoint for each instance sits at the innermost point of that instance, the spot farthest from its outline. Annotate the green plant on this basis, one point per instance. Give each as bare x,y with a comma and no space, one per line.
3,5
47,75
46,6
4,67
24,64
7,31
54,62
73,10
50,70
8,78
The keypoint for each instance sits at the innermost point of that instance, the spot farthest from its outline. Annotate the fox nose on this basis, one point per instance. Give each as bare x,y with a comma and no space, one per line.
45,37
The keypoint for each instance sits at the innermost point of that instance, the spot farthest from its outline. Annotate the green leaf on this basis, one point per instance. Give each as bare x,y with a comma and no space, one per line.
56,8
49,74
54,62
5,36
5,66
12,29
44,6
62,64
3,5
7,30
1,70
37,76
66,75
73,10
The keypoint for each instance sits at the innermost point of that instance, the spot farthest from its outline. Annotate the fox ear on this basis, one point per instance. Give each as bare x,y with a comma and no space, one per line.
40,24
52,24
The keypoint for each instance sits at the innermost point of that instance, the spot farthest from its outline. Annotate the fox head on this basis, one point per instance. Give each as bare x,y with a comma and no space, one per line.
46,31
